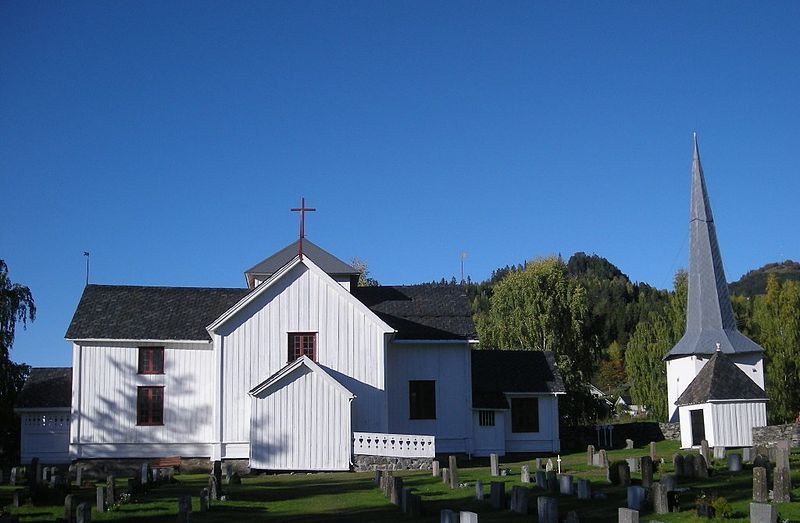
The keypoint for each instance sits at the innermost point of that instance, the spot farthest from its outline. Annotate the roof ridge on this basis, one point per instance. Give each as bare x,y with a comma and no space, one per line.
171,287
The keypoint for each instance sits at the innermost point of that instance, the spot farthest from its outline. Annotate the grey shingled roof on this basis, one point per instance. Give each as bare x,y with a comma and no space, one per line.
422,312
46,387
495,372
709,314
321,258
128,312
720,379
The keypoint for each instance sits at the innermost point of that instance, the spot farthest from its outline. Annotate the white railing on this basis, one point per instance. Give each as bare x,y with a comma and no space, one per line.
394,445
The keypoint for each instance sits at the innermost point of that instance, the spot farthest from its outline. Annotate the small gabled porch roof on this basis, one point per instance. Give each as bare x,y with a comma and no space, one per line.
296,366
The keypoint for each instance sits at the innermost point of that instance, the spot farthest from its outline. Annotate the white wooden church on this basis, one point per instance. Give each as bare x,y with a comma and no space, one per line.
715,374
299,370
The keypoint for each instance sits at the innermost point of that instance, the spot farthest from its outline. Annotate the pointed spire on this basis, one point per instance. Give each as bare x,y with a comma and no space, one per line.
709,304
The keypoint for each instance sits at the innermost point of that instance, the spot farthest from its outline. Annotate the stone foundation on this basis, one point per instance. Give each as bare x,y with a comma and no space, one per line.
574,439
362,463
768,436
671,431
101,468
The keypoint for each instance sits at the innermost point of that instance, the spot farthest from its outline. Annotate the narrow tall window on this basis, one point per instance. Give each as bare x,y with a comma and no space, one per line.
302,344
150,405
422,399
151,360
524,415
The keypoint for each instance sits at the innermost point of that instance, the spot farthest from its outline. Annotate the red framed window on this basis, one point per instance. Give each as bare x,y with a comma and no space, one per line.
302,344
150,405
151,360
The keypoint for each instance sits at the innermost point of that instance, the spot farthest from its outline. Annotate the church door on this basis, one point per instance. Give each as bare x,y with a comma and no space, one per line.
698,426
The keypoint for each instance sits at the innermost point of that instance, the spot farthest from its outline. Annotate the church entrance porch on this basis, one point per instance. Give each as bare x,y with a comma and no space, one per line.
698,426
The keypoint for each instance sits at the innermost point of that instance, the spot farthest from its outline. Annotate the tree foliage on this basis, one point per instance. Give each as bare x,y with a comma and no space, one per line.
364,278
776,321
541,308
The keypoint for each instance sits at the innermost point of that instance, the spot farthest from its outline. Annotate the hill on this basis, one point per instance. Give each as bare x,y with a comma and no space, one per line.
755,281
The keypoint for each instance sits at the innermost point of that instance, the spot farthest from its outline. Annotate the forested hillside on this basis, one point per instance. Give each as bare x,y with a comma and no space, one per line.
755,282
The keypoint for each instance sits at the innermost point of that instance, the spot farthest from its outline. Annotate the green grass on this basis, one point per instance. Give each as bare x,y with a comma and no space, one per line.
353,497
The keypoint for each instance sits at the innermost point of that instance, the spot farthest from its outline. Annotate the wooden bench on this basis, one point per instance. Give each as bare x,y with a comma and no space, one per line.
164,463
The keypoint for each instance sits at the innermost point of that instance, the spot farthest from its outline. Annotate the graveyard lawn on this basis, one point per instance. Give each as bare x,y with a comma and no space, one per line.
354,497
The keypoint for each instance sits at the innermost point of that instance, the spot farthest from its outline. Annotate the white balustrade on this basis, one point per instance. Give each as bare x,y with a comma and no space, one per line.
394,445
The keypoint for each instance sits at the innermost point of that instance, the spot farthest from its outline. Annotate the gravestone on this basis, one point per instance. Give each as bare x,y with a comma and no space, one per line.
763,461
497,495
590,455
453,472
565,484
18,498
79,475
56,481
413,505
549,466
690,465
184,508
204,500
479,490
603,458
213,488
467,517
448,516
782,451
646,464
397,491
388,481
525,474
494,465
227,470
541,479
660,498
35,472
446,476
45,477
624,473
572,517
636,496
144,475
747,454
596,460
519,499
100,499
552,482
669,481
734,462
678,465
69,509
538,463
760,485
132,485
584,489
435,468
781,485
84,513
705,451
700,467
111,492
763,513
377,477
626,515
404,499
628,443
235,479
653,453
547,509
633,464
12,478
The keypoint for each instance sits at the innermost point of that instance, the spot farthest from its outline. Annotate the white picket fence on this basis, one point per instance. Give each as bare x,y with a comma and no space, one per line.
394,445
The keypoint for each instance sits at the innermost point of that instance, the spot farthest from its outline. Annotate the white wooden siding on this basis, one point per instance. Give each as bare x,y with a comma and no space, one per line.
449,366
45,435
104,401
547,439
254,345
489,439
734,422
686,424
302,422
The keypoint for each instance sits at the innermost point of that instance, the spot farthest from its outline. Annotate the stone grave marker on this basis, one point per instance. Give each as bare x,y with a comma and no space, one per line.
69,508
660,498
144,475
700,467
552,482
448,516
719,452
453,471
678,464
111,492
781,485
388,481
690,465
132,484
227,470
435,468
549,466
747,454
541,479
12,478
55,480
413,505
45,477
18,498
734,462
213,488
377,477
760,485
596,460
669,481
494,464
547,509
467,517
782,451
626,515
584,489
235,479
446,476
497,495
633,464
525,474
397,491
646,465
538,463
519,499
404,499
565,484
636,497
35,472
653,453
572,517
84,513
204,500
763,513
590,455
100,499
624,474
184,508
705,451
603,458
479,490
79,475
628,443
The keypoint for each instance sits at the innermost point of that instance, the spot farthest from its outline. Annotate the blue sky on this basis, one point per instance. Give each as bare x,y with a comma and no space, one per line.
171,138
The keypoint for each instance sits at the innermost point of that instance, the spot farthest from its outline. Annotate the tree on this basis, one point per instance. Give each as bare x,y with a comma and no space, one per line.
16,305
364,279
776,318
541,308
